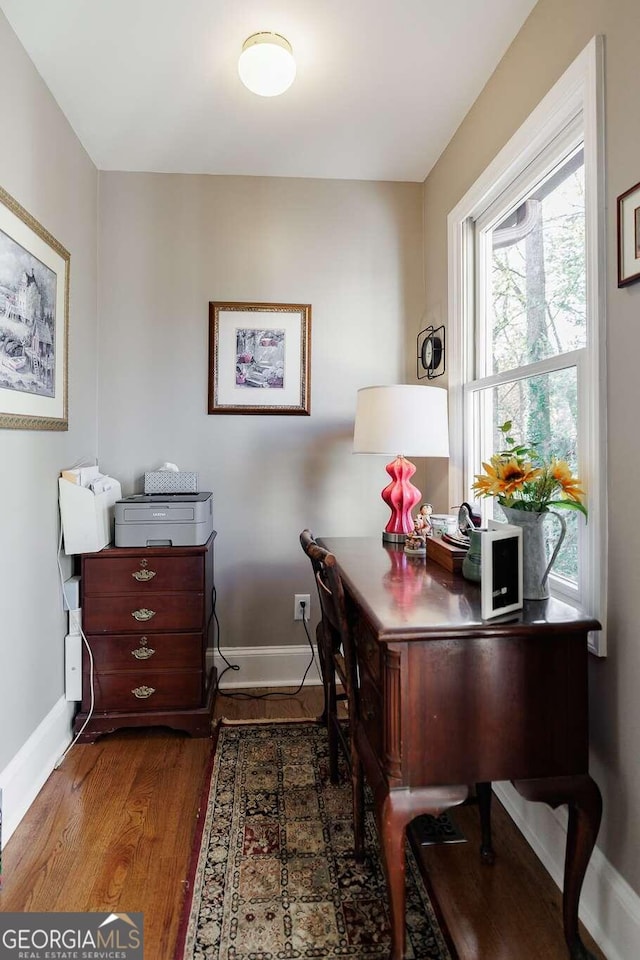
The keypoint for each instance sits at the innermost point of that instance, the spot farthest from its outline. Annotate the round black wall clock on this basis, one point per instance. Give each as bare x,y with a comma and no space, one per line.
431,353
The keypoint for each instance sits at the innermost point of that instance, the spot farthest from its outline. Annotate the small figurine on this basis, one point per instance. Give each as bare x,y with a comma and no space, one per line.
423,520
416,542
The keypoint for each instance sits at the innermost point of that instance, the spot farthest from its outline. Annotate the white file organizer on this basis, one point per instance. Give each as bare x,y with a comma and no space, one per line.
87,517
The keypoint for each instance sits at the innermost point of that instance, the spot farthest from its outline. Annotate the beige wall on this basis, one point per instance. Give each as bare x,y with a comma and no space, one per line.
168,245
555,33
43,166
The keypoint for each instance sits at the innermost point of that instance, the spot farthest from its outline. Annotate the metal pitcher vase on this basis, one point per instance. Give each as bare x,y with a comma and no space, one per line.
535,567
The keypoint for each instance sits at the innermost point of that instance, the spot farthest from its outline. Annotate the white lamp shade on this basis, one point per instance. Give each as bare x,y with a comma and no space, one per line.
266,65
401,419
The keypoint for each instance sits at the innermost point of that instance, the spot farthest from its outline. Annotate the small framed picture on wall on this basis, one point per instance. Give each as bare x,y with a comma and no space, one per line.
629,236
259,358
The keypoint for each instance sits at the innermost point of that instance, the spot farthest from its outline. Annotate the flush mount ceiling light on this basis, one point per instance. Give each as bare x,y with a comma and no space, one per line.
266,65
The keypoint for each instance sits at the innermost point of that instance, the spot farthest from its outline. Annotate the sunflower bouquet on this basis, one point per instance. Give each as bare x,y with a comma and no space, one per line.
519,477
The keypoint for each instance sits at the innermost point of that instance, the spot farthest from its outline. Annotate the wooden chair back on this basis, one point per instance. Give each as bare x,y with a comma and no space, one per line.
337,659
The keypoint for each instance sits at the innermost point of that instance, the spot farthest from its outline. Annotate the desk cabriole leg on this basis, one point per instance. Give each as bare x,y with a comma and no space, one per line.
394,829
582,796
395,811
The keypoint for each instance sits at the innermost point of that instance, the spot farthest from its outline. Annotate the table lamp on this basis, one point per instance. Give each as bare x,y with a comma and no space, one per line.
403,420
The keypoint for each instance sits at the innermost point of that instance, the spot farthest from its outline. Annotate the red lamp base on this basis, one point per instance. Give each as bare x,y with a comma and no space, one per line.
401,497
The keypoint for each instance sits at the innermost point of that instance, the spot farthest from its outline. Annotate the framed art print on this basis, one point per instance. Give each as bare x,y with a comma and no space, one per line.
34,322
259,358
629,236
501,570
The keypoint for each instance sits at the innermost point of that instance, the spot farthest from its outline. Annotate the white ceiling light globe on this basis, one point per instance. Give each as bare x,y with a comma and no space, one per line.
266,65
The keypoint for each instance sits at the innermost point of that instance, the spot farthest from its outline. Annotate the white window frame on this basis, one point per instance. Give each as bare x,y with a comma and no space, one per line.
577,98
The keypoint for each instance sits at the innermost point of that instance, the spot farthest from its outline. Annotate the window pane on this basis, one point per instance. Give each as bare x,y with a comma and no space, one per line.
536,300
542,410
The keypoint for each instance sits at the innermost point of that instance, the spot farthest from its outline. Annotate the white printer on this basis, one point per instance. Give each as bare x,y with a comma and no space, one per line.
164,520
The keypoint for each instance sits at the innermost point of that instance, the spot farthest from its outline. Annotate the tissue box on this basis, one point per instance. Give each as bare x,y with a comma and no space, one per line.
168,481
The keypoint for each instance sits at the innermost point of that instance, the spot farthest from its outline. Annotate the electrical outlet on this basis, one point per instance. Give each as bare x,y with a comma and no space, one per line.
299,599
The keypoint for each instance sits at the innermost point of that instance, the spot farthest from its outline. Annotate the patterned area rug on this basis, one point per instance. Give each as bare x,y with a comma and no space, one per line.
274,877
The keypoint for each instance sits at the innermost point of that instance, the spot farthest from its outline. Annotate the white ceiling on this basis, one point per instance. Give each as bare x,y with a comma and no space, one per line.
153,85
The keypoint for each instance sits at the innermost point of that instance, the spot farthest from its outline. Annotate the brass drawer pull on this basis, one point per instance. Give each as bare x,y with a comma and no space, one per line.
143,692
143,652
143,614
143,576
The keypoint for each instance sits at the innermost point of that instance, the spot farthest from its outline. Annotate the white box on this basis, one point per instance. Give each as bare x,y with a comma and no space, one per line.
87,517
73,667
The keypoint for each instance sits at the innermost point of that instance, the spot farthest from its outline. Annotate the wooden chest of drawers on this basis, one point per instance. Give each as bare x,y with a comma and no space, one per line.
147,614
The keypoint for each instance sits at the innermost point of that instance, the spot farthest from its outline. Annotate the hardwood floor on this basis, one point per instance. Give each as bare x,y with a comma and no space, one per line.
112,830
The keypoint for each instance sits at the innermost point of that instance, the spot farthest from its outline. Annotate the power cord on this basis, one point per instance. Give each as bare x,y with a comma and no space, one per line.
240,695
213,615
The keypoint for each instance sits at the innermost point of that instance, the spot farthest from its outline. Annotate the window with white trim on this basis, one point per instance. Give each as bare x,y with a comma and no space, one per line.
526,316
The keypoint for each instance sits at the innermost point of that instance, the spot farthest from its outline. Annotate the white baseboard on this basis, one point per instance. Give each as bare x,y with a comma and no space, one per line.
24,776
609,908
267,667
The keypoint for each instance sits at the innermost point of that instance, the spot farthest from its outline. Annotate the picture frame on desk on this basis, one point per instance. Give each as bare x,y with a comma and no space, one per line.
34,322
259,358
501,570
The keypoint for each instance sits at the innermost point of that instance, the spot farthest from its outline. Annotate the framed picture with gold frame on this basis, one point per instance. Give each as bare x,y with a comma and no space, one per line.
34,322
260,358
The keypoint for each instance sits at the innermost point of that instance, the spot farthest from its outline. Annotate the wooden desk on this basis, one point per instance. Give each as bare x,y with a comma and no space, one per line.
448,700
